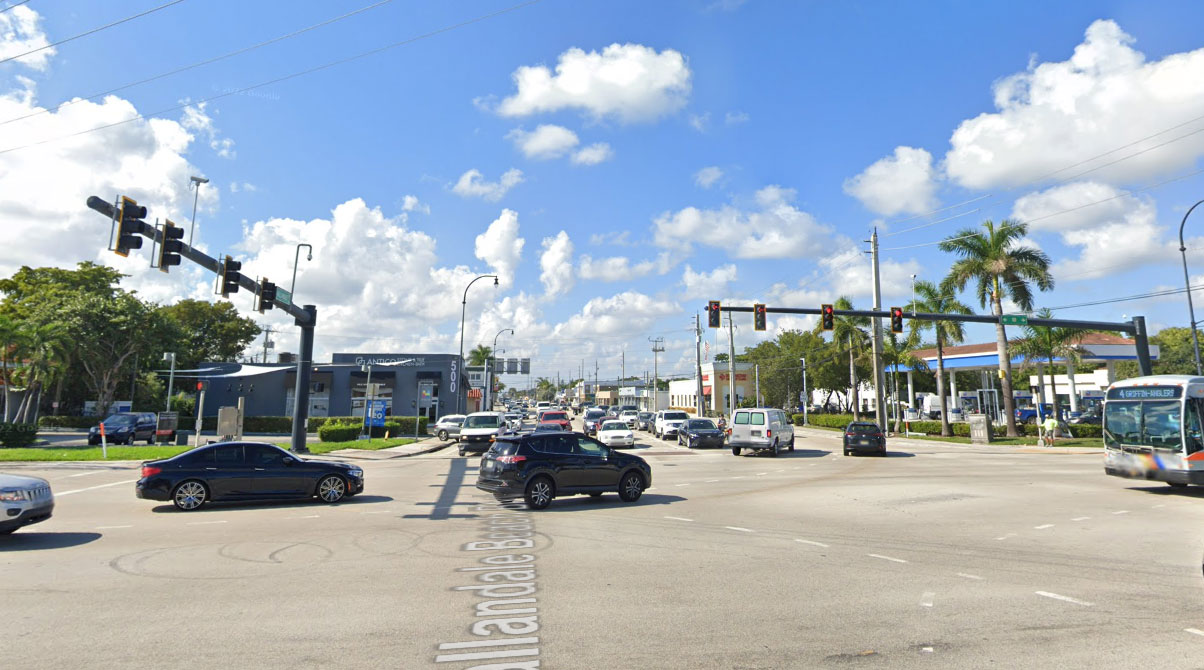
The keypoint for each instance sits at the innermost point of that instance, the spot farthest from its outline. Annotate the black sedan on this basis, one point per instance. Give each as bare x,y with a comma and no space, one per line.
542,466
699,433
245,471
864,436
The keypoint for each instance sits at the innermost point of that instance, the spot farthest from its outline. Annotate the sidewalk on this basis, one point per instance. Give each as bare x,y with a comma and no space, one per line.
425,445
808,431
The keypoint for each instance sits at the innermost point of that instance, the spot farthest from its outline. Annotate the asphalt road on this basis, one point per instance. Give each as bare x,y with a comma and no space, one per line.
937,556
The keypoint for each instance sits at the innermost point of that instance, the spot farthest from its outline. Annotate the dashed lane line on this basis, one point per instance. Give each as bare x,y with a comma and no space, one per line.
927,598
686,484
818,544
1004,537
1080,518
307,516
678,518
114,527
1158,505
969,576
1123,511
1068,599
1043,526
742,530
100,486
203,523
1194,631
712,481
87,474
887,558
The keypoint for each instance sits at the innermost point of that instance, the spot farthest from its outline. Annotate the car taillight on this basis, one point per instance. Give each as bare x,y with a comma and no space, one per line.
511,459
150,470
768,433
850,434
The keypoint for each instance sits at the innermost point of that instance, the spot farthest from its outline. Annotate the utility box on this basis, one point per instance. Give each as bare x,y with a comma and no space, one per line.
229,424
980,428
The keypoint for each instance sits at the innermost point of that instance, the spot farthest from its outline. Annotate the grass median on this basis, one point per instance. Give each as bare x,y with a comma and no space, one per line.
154,453
1028,441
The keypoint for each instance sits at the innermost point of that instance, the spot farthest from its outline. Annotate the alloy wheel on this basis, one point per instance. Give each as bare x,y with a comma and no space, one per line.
331,489
189,496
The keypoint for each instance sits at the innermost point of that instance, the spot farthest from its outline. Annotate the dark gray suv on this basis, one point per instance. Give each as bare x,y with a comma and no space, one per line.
126,428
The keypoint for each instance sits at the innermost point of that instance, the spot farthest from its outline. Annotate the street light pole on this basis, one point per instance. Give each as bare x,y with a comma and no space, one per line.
1191,312
309,256
460,393
489,365
171,376
197,181
366,367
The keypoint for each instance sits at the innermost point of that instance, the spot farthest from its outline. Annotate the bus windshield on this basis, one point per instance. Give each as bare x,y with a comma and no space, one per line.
1149,423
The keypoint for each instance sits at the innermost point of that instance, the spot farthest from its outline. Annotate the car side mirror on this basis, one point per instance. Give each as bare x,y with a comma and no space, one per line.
289,460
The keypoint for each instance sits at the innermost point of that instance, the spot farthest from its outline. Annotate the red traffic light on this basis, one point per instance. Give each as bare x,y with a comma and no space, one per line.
713,314
827,317
200,386
896,319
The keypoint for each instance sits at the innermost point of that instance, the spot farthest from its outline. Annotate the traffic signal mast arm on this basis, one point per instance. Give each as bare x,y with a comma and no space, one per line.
211,264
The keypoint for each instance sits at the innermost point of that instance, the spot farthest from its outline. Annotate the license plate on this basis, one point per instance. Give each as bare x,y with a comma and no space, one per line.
756,433
864,442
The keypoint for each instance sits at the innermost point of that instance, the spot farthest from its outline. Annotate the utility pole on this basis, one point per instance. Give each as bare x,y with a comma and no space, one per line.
623,365
806,398
757,372
698,364
267,342
731,367
877,343
658,345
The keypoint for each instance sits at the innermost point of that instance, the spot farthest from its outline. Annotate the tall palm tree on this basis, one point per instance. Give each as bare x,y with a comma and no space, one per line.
939,300
46,346
1044,344
11,341
1002,268
480,355
896,353
849,334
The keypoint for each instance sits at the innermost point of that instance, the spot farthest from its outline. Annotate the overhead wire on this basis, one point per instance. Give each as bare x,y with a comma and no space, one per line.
90,32
12,6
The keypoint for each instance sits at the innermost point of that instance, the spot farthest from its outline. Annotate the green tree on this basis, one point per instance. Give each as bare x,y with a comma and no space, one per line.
45,348
480,355
208,332
939,300
849,335
896,353
1042,344
1001,268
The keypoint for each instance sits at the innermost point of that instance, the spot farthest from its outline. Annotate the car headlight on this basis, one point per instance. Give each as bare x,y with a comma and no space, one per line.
12,496
356,472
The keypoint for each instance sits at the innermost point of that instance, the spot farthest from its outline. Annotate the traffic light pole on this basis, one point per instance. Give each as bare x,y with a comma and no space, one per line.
305,317
879,408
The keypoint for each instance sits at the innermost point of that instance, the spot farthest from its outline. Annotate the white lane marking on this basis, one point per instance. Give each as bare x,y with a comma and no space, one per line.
926,599
738,477
86,474
383,511
887,558
678,518
1068,599
782,470
112,527
1159,505
742,530
927,650
686,484
1043,526
712,481
762,474
203,523
1080,518
90,488
1123,511
1006,536
968,576
818,544
1194,631
308,516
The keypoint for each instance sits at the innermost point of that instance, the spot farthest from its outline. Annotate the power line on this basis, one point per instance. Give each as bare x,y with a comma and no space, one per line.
15,4
277,80
1142,296
90,32
193,66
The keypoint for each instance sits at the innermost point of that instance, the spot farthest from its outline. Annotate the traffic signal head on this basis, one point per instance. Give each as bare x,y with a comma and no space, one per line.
173,244
827,317
713,319
758,317
896,319
230,276
267,294
129,225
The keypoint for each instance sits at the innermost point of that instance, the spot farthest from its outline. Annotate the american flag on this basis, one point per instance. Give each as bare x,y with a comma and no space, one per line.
706,351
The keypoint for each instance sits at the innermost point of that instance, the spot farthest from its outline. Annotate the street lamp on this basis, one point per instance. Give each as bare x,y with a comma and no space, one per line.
367,399
1191,312
171,376
489,368
197,181
309,256
464,306
913,295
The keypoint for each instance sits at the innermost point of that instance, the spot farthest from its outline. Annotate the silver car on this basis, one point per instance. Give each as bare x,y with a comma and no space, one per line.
448,426
25,500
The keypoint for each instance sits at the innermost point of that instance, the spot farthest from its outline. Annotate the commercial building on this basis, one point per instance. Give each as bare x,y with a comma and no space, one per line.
683,393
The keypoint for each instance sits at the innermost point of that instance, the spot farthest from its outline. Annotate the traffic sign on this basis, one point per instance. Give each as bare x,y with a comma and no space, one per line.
1014,320
283,296
376,413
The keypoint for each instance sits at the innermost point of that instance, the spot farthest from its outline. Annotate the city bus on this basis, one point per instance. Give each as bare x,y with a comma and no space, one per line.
1152,429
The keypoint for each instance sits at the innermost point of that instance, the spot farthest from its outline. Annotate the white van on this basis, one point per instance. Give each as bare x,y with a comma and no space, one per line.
479,429
761,428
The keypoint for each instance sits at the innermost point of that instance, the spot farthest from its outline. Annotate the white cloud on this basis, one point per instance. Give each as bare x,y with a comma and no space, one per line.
616,237
707,176
546,141
246,187
1060,113
20,33
1097,229
629,82
619,268
776,230
905,182
593,154
501,247
849,273
472,184
735,118
556,265
707,285
620,314
410,203
196,119
700,121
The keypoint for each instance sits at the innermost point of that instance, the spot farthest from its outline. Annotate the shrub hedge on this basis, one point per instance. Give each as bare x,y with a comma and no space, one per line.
17,435
402,425
934,427
338,432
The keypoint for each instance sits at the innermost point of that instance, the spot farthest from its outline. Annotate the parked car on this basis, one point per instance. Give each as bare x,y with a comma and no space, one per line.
593,418
25,500
541,466
245,471
479,429
864,436
668,421
760,429
700,433
1092,416
644,421
448,426
125,428
614,433
631,417
556,416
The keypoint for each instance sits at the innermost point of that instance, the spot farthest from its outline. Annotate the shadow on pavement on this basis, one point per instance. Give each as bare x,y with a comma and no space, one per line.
271,504
27,541
1168,490
797,453
605,501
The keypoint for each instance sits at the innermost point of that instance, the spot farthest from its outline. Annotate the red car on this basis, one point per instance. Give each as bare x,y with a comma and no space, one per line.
558,417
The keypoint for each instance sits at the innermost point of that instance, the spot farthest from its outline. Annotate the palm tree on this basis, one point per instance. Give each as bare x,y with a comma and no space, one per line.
46,346
11,342
1043,344
1002,268
939,300
848,333
480,355
896,353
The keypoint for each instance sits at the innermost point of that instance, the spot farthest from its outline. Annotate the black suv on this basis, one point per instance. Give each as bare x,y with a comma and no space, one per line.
125,427
542,466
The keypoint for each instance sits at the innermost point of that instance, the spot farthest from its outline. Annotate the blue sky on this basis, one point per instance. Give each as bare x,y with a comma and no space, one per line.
684,150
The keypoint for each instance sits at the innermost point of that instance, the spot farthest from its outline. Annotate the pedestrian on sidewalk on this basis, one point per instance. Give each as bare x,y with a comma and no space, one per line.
1051,428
